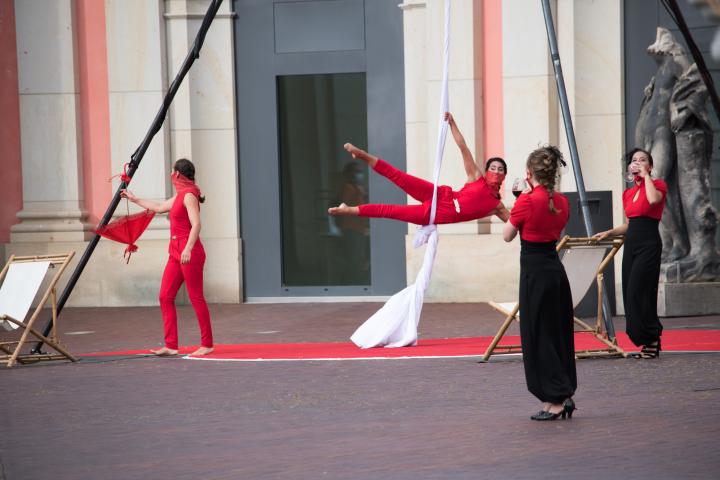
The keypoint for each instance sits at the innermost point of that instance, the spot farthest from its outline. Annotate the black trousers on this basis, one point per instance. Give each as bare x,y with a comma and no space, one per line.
546,323
640,276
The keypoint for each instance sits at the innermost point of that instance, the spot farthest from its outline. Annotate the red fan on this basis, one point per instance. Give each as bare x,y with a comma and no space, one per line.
127,230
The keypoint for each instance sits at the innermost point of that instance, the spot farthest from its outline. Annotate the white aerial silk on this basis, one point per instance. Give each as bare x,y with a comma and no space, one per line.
395,324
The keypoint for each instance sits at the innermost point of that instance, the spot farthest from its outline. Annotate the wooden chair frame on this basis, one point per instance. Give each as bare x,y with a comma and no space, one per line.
612,348
12,349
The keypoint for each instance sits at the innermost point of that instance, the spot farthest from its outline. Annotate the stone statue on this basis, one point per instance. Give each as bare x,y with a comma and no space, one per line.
674,127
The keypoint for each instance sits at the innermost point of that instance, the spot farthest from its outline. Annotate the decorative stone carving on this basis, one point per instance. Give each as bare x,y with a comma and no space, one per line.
674,126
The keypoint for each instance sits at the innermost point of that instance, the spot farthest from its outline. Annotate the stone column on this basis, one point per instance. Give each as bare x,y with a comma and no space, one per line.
530,96
10,160
49,124
137,81
202,120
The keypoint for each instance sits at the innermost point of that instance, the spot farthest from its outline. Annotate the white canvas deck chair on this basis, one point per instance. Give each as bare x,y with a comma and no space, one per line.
584,260
21,279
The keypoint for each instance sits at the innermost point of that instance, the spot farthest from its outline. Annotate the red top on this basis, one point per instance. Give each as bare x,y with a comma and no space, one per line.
476,200
531,215
179,219
641,207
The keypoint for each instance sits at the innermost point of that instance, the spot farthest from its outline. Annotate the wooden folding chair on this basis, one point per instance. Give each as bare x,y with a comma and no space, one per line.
21,279
584,260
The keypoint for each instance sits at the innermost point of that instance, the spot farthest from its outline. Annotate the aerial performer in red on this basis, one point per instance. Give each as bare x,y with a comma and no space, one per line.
478,198
186,257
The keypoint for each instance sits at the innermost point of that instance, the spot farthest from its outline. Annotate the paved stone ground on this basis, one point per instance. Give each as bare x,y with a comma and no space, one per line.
152,418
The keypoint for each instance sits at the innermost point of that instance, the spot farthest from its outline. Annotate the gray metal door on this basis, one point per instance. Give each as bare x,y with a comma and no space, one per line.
312,75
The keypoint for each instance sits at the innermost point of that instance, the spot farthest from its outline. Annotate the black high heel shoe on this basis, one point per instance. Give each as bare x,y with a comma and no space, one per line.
649,351
567,410
538,415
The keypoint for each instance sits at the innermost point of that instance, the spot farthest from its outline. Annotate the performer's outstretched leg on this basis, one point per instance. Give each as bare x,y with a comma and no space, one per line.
421,190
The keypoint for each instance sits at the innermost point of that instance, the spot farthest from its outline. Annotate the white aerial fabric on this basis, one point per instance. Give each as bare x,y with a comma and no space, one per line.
19,289
395,324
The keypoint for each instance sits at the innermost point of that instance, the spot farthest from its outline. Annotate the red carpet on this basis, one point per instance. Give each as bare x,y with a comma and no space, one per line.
672,340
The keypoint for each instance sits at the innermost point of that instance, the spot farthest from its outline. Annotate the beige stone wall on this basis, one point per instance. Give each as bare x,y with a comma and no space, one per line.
200,126
473,263
473,266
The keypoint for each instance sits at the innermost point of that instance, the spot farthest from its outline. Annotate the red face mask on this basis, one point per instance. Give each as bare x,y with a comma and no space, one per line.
494,179
183,184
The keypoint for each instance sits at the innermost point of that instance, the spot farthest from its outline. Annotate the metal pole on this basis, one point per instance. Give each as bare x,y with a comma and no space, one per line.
135,159
574,157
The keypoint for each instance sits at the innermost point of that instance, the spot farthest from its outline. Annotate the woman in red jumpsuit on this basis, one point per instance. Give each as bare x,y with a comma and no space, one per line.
479,197
186,257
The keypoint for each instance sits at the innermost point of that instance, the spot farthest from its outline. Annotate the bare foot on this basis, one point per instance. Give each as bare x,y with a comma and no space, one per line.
203,351
343,209
361,154
164,352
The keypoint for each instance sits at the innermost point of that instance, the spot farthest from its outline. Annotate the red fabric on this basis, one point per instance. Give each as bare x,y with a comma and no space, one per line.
173,276
494,180
183,184
641,207
417,214
180,225
123,176
127,229
531,215
672,340
476,200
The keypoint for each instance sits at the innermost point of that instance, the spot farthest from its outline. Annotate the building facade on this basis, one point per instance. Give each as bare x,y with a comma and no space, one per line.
264,112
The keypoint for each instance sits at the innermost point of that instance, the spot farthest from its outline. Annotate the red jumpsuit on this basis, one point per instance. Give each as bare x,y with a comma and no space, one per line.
191,273
475,200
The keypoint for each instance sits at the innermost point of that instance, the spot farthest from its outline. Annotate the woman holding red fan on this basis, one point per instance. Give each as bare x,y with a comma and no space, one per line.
186,257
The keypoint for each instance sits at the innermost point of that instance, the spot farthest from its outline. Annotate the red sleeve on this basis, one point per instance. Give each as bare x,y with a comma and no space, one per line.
626,197
520,211
660,185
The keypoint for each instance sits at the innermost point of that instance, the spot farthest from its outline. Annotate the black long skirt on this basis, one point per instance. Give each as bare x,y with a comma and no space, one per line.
640,276
546,323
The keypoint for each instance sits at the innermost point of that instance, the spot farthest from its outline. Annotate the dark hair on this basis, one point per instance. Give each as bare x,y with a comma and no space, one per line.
495,159
631,153
544,163
186,168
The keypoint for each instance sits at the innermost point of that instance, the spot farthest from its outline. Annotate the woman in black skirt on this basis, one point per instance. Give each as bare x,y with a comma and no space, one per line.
643,204
546,310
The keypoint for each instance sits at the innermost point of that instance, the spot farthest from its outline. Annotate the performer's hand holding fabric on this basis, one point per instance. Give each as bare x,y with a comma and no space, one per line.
124,193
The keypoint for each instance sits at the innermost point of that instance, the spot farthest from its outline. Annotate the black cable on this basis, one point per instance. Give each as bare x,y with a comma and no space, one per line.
676,15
